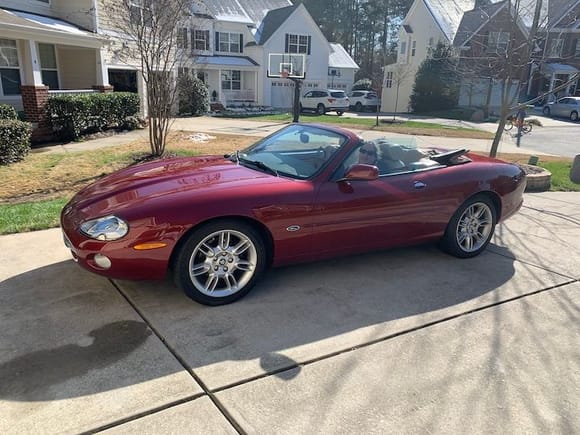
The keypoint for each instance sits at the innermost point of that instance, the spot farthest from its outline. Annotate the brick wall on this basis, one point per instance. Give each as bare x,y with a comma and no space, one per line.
34,99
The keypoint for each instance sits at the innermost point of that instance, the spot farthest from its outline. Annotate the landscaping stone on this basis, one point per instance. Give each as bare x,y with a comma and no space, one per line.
575,170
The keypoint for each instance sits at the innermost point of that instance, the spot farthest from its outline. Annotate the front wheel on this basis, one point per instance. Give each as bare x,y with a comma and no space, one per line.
526,128
508,125
574,116
358,106
220,262
471,228
546,111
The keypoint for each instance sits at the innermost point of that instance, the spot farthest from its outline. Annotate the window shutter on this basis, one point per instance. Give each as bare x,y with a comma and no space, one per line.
287,49
207,39
309,43
241,43
217,41
192,36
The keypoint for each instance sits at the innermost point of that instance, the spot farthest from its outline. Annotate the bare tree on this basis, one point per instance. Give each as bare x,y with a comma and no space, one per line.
149,32
501,57
396,76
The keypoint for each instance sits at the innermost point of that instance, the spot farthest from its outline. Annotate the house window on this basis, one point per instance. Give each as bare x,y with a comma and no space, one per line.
498,42
140,12
413,48
229,42
403,47
556,46
182,71
334,72
200,40
297,44
48,66
577,53
9,68
231,80
182,37
389,79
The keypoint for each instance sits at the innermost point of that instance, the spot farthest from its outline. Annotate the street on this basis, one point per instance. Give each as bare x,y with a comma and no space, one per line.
561,140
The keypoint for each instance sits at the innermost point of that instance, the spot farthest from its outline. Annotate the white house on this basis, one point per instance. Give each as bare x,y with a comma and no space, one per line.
426,23
232,43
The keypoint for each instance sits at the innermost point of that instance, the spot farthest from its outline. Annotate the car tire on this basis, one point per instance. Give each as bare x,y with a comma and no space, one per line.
320,109
339,112
574,116
358,107
546,111
471,228
220,262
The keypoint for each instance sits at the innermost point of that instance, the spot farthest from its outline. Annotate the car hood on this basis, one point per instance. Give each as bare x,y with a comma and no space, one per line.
164,178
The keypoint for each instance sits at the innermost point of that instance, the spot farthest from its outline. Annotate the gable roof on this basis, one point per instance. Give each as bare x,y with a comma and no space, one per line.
243,11
473,20
272,21
448,13
339,58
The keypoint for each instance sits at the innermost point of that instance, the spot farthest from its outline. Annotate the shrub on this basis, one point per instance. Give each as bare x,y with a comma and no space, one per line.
132,123
8,112
14,140
193,96
73,115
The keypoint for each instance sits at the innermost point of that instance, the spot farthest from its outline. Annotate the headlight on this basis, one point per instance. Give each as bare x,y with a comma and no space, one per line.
105,228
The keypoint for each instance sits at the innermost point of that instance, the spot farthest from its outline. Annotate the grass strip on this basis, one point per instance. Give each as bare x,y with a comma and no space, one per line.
30,216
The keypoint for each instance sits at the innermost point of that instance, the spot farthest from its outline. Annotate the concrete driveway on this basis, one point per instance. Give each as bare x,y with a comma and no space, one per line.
402,341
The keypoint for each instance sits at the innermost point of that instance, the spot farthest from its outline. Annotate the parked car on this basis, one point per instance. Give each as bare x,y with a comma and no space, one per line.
325,100
567,107
363,100
217,222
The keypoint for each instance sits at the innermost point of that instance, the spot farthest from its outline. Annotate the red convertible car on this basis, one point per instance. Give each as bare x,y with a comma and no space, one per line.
304,193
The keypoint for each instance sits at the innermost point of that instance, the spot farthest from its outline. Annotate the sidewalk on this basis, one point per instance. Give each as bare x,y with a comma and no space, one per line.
247,127
402,341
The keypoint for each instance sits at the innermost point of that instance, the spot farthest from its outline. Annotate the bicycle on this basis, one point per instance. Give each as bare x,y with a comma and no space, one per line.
512,122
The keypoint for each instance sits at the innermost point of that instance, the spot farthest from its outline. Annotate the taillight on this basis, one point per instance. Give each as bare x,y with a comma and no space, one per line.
331,100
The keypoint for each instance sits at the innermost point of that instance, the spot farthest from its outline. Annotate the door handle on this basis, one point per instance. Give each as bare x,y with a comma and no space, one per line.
419,185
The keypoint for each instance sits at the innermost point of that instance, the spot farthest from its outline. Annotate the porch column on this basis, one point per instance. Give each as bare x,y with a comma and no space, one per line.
220,87
102,73
256,97
552,80
35,94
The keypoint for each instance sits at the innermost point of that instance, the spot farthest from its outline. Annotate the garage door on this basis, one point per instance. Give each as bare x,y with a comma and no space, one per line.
282,93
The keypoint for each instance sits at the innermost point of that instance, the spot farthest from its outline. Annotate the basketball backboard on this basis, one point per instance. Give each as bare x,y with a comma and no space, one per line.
286,65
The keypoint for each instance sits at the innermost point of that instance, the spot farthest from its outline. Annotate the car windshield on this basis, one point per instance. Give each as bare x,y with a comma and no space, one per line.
338,94
298,151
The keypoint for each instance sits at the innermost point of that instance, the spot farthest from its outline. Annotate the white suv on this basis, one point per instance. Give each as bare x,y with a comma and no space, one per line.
325,100
361,100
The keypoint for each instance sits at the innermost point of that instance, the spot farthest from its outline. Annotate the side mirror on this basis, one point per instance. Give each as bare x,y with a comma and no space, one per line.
361,172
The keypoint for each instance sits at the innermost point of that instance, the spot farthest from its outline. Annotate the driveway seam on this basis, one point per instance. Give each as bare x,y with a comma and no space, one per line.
206,391
389,337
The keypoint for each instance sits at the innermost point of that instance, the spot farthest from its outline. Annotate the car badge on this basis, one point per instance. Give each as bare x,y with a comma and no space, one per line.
293,228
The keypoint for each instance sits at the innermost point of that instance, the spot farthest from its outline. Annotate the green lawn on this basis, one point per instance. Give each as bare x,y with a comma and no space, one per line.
560,181
30,216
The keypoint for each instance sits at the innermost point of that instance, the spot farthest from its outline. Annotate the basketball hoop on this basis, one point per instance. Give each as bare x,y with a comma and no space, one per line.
284,74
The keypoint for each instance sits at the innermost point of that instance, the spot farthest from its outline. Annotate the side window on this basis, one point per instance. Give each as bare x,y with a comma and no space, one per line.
308,94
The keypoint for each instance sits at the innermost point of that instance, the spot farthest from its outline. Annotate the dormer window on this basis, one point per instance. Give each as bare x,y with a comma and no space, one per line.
200,40
229,42
299,44
556,46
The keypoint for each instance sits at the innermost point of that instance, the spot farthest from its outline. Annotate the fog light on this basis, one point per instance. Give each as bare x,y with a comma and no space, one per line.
102,261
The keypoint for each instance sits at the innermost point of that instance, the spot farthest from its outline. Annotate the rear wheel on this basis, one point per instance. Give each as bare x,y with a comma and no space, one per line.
508,125
471,228
339,112
574,116
546,111
220,262
358,107
320,109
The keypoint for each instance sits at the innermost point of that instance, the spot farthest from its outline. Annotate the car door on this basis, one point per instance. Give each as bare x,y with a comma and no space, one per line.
562,107
404,208
307,100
